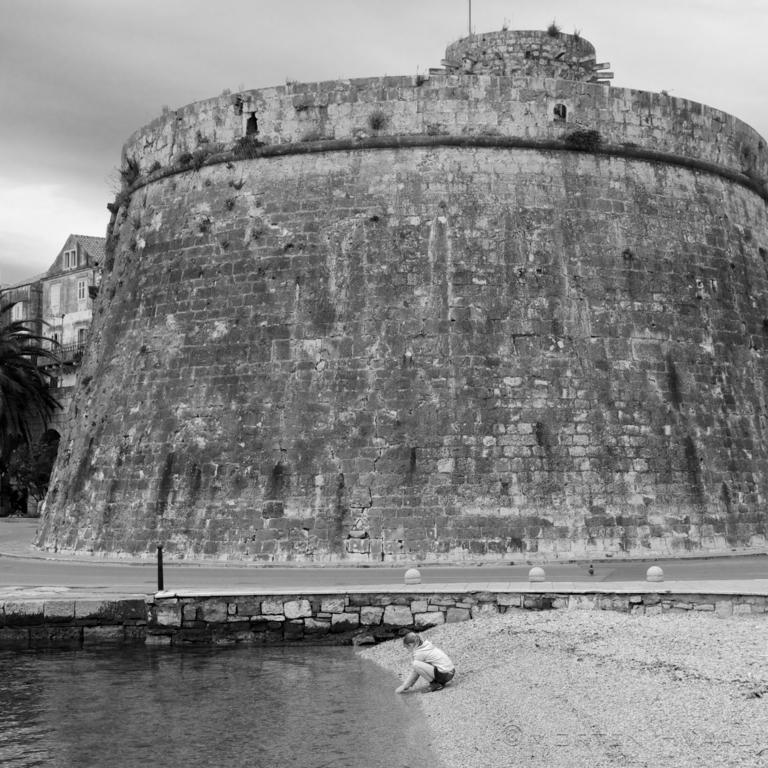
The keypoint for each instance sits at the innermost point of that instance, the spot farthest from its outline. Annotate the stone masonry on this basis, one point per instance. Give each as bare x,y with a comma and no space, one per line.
338,618
369,617
504,308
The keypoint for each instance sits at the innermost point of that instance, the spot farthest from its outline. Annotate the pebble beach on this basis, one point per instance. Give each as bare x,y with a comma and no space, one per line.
596,688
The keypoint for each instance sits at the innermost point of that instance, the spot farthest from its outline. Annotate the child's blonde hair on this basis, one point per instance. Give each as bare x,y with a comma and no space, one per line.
411,638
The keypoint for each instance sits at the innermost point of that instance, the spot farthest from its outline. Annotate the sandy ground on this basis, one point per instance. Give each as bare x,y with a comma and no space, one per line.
592,688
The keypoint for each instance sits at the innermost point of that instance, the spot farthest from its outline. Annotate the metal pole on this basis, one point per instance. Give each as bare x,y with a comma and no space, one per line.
470,18
160,586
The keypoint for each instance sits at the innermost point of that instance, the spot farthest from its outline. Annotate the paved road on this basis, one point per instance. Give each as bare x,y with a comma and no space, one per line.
112,578
21,567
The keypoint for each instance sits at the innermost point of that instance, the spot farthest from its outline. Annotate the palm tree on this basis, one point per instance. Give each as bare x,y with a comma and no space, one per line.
25,397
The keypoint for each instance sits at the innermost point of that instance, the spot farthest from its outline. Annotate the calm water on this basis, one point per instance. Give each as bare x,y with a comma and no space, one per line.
307,707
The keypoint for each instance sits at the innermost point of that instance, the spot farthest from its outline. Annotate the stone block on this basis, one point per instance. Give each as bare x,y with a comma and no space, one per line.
213,611
361,599
653,610
682,605
371,614
293,629
91,609
581,603
24,613
343,622
704,607
296,609
248,606
453,615
168,614
651,599
508,598
135,633
16,638
402,600
275,618
110,611
238,624
157,639
316,627
724,608
272,606
103,635
189,612
419,606
427,619
742,609
484,610
55,637
398,616
59,611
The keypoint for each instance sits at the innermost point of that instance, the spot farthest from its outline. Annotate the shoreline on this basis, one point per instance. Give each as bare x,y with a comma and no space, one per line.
596,688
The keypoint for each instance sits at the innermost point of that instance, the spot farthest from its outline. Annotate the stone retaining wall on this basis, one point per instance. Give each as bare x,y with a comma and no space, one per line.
42,624
333,618
369,617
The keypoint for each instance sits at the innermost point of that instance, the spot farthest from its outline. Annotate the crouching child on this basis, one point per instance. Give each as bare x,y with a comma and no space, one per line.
429,662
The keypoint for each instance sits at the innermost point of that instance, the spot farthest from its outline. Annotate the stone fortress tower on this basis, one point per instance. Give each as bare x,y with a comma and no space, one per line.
505,308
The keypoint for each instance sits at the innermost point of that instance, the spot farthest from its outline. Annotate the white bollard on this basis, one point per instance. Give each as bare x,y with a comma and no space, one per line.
654,573
413,576
537,574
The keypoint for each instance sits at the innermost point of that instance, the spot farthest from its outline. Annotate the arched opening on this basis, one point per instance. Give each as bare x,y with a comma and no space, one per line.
252,125
560,111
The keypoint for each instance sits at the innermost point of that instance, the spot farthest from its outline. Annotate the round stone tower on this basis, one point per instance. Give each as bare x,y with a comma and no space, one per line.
502,309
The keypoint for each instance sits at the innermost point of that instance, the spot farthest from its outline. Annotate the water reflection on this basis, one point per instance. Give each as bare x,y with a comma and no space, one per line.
293,706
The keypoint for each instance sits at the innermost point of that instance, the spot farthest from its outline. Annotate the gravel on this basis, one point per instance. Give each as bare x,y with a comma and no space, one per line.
593,688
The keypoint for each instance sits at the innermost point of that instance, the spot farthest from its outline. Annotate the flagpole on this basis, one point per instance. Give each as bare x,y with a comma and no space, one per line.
470,18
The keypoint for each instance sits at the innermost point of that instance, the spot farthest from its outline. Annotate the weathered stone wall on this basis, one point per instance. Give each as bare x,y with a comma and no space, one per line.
468,106
567,57
43,624
370,617
440,345
337,618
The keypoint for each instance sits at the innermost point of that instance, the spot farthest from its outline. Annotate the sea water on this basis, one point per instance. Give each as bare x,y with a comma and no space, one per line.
298,706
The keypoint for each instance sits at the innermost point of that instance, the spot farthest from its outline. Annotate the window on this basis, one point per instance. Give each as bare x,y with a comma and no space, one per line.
17,313
81,290
55,298
70,259
81,334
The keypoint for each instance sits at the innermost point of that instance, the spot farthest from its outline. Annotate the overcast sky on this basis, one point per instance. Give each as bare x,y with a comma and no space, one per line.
77,77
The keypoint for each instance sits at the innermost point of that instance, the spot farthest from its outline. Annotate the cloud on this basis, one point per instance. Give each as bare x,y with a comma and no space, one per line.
35,221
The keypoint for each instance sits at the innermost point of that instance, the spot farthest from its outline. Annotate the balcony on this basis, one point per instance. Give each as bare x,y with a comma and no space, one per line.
66,354
71,353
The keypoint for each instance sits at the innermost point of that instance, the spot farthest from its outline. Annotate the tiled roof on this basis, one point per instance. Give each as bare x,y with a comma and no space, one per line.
94,245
